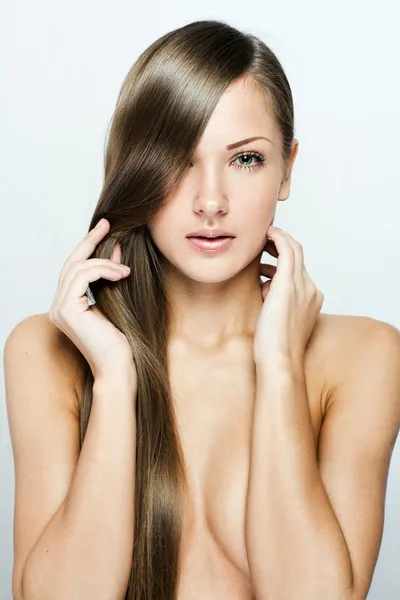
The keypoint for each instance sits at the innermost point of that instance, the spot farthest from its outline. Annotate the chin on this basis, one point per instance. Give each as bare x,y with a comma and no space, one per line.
206,275
206,271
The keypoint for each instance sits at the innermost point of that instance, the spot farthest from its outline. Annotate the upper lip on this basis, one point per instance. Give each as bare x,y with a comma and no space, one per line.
210,233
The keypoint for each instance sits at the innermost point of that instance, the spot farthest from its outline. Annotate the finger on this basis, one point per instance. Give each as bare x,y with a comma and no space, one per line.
299,270
271,248
286,254
75,267
84,277
87,246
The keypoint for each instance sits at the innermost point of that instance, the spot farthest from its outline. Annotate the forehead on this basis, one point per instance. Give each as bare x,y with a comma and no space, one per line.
242,111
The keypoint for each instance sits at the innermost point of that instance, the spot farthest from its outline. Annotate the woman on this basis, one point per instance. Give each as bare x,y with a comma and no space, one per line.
255,461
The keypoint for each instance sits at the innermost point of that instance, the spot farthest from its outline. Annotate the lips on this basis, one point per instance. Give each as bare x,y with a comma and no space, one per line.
211,245
210,233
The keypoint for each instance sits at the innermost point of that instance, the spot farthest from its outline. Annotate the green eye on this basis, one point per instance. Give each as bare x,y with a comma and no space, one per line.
260,159
250,155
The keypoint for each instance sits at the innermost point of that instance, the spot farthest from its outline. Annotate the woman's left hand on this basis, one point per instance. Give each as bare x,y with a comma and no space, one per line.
292,303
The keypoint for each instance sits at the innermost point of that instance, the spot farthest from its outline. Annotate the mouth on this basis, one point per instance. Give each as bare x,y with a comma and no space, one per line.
207,237
215,244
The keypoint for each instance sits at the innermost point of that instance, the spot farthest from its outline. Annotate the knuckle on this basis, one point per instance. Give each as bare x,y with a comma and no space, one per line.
79,274
54,316
65,267
313,290
317,294
111,263
77,266
62,312
73,263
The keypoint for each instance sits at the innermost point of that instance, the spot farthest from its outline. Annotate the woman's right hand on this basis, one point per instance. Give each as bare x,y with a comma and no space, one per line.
103,345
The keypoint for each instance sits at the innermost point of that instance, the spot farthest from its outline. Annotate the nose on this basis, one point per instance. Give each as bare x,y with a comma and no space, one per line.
210,201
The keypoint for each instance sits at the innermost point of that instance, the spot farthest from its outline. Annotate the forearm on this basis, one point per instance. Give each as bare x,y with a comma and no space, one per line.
85,550
296,548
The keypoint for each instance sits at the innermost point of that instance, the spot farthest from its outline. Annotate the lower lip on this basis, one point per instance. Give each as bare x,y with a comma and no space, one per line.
207,245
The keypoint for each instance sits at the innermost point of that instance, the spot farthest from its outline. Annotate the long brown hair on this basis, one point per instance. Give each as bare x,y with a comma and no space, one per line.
162,110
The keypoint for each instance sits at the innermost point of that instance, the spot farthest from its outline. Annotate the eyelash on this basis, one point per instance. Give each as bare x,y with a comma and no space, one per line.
260,162
260,157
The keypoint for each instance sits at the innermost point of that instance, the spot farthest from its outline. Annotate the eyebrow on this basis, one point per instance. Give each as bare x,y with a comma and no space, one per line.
251,139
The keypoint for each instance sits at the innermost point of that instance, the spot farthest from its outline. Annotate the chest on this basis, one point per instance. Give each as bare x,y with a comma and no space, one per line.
214,400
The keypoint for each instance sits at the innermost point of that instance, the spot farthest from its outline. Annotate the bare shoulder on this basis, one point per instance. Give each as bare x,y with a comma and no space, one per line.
360,361
40,366
36,336
346,346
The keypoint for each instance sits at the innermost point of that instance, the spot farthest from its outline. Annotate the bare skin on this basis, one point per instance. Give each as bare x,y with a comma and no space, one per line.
214,398
216,303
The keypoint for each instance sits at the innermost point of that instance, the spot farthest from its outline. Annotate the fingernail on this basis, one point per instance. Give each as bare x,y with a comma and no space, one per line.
100,223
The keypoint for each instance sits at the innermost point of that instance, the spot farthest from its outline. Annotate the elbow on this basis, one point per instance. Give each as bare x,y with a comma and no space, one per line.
17,593
25,584
16,585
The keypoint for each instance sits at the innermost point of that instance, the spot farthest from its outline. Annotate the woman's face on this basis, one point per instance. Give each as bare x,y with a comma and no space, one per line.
233,189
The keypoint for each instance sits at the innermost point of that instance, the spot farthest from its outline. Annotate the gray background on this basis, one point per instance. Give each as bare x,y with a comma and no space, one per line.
63,65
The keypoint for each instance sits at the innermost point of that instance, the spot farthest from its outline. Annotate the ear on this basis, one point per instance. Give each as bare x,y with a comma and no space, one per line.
284,190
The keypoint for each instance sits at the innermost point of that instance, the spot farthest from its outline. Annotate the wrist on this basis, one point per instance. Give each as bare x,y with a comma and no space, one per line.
116,380
281,363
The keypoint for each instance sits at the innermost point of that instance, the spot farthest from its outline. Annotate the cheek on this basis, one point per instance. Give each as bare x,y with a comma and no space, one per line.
255,220
161,225
257,213
164,231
